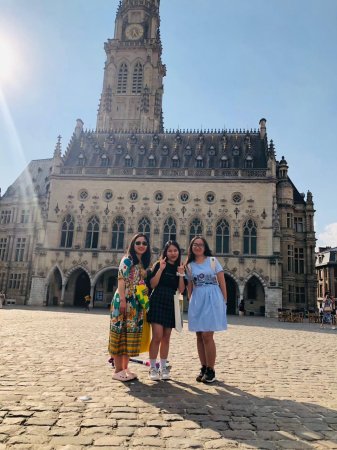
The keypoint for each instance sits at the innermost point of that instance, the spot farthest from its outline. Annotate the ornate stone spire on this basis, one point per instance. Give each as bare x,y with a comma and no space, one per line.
58,148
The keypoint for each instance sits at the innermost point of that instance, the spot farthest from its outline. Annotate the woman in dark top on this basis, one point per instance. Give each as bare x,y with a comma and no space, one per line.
166,277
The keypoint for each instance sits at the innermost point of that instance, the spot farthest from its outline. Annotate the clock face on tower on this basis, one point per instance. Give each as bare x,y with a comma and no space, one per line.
134,31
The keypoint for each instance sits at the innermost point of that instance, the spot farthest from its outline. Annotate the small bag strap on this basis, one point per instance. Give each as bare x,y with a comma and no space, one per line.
213,266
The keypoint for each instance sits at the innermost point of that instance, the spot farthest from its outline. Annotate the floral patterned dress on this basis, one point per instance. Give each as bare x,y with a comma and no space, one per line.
126,331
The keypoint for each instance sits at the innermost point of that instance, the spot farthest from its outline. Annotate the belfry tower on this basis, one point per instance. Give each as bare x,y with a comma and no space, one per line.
132,92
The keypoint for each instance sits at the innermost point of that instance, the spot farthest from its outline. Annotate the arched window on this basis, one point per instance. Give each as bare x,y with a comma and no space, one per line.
81,160
195,228
128,161
122,79
175,161
222,237
249,237
152,161
91,240
104,161
249,162
118,230
137,79
170,230
224,162
199,162
67,232
144,226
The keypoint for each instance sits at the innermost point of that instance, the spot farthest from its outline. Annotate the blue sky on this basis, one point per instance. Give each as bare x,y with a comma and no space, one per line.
228,64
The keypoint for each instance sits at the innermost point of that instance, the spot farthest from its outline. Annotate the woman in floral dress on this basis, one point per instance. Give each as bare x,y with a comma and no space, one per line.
126,318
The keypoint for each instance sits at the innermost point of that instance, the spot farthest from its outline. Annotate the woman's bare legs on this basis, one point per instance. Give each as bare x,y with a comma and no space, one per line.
165,343
118,361
157,335
206,348
201,348
210,349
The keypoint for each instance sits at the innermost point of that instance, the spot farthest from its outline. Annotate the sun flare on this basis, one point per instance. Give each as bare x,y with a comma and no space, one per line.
7,60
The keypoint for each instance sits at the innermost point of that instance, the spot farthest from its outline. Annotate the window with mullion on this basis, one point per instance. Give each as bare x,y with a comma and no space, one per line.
195,228
144,226
122,79
91,240
222,237
118,232
67,232
250,238
170,230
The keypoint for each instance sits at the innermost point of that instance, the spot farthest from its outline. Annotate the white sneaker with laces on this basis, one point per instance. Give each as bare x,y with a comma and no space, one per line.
154,374
165,373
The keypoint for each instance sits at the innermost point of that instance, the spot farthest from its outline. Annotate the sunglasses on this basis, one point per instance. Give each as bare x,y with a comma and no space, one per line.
198,245
144,243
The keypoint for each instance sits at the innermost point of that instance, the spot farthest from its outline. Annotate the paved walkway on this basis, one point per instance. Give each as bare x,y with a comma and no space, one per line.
276,388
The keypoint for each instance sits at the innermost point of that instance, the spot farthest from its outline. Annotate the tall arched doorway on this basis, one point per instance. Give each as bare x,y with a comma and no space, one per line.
254,297
54,288
82,288
105,288
77,287
232,295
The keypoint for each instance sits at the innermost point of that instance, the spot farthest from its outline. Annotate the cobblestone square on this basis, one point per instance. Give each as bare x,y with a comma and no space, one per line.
275,390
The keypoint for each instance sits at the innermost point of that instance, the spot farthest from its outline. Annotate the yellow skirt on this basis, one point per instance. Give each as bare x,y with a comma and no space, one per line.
125,343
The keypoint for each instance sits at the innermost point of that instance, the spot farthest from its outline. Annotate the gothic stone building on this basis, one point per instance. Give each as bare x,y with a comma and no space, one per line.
66,221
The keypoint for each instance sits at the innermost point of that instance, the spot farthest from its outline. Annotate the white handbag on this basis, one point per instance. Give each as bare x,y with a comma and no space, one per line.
178,303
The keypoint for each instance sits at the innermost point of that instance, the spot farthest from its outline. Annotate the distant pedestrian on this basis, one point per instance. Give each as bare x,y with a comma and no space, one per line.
2,299
207,303
327,307
242,308
87,300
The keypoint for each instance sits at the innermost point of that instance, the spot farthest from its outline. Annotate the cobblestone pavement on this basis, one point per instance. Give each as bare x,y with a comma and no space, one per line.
276,387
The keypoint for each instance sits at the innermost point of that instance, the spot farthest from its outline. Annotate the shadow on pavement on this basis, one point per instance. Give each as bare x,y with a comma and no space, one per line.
261,422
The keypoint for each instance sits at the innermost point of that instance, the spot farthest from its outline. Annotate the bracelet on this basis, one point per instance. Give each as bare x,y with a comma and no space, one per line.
180,274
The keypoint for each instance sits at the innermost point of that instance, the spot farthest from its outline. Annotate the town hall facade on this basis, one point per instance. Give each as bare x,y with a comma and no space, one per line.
66,221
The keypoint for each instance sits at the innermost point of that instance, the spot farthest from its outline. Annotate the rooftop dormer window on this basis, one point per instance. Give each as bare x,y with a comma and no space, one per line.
81,160
224,162
175,161
128,161
104,160
152,161
249,162
199,163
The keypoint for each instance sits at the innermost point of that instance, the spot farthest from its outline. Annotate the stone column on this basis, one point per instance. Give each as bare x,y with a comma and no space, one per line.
37,291
62,294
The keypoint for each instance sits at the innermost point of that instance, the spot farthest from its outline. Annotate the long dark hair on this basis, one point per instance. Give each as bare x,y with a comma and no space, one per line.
191,255
132,252
164,252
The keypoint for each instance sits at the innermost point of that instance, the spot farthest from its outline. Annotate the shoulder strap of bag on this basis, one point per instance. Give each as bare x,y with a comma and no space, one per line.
213,265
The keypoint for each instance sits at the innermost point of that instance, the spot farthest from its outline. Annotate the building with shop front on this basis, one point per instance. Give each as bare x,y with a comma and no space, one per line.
326,272
66,221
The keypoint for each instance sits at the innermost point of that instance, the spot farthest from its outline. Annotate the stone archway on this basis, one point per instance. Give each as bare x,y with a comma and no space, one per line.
232,294
54,288
254,296
77,287
105,285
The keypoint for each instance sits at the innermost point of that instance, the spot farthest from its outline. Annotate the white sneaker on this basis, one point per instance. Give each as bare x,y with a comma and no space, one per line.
165,373
154,374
